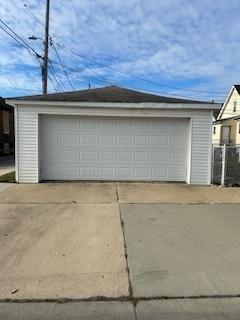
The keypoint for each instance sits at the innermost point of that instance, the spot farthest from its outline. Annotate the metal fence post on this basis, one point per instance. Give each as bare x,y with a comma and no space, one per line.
223,165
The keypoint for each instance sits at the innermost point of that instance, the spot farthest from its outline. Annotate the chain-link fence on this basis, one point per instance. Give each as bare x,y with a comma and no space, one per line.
226,165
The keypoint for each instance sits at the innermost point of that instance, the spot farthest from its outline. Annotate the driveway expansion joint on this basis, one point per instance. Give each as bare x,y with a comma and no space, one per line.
130,289
131,299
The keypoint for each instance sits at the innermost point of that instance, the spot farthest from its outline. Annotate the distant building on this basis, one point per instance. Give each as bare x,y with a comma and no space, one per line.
6,128
226,129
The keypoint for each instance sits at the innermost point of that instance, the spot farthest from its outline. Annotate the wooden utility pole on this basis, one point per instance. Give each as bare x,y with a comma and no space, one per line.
45,56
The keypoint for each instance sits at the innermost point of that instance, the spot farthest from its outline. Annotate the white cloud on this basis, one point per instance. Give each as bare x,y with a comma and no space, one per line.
193,44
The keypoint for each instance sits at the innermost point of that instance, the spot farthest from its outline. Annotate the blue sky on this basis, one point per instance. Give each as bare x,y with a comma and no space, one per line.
182,47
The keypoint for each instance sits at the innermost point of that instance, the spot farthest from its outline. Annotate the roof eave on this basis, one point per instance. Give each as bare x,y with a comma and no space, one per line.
142,105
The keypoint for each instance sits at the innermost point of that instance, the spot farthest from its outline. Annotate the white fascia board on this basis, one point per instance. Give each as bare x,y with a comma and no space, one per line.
225,103
145,105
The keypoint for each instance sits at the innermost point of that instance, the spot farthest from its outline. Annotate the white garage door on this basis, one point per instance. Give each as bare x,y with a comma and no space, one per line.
101,148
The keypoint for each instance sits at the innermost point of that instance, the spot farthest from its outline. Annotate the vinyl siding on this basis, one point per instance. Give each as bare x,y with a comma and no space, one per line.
201,149
28,138
237,133
228,112
27,145
216,138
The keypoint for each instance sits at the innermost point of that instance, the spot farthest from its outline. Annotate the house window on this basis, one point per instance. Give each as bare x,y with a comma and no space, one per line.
234,106
239,128
6,123
214,130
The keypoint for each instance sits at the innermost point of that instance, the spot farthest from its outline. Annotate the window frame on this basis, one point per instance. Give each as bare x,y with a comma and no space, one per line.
234,106
214,129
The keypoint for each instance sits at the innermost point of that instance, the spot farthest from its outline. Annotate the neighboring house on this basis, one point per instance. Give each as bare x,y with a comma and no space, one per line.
6,128
113,134
226,129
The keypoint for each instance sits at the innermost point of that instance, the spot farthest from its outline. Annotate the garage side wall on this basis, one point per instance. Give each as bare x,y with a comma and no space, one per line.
199,164
27,145
201,149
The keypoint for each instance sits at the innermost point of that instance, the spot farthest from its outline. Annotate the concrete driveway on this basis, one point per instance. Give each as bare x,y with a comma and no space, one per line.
122,251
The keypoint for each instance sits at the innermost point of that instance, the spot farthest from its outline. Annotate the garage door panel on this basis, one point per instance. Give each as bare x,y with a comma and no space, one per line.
105,140
69,123
105,172
69,139
88,172
106,156
88,139
124,140
87,155
159,156
69,155
159,173
95,148
142,140
106,125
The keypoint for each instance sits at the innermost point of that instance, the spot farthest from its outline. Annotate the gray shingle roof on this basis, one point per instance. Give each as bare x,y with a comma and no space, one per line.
4,106
106,94
237,86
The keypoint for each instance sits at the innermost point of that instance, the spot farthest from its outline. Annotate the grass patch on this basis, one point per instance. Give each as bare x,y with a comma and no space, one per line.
9,177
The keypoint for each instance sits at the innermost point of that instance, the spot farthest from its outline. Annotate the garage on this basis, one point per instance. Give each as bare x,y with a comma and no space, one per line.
107,148
112,134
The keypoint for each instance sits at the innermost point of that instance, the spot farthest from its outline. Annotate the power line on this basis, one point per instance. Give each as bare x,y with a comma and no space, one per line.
103,78
80,72
19,39
32,13
113,83
54,87
60,60
121,72
132,76
105,81
54,74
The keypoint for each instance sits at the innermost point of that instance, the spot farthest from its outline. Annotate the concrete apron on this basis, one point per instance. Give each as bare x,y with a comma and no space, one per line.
172,193
182,251
55,251
64,240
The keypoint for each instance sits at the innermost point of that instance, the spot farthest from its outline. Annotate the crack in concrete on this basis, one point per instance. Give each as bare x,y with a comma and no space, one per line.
58,203
132,299
130,289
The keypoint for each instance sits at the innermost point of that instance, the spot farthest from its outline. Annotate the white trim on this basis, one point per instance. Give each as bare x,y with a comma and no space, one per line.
189,156
38,148
16,141
144,105
210,154
225,103
114,112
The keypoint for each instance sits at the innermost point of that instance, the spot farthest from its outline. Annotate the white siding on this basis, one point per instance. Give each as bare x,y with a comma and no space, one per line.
28,155
27,145
201,149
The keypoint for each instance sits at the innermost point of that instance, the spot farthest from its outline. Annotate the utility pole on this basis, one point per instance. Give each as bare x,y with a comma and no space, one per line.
45,56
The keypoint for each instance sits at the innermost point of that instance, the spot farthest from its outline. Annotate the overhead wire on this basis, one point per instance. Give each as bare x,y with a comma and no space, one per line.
53,73
51,44
60,60
133,76
122,72
19,39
